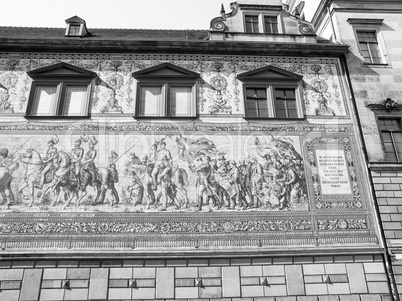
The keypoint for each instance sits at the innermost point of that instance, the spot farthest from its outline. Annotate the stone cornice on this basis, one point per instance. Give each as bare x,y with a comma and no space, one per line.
365,21
354,6
175,46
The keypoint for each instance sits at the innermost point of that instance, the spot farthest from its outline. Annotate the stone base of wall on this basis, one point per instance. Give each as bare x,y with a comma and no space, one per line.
388,190
348,277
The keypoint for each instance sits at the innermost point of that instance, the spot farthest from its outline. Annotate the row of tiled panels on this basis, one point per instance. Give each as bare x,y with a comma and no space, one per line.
147,282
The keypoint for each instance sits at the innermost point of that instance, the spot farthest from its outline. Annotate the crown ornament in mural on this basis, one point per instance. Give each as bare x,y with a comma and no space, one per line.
114,82
218,96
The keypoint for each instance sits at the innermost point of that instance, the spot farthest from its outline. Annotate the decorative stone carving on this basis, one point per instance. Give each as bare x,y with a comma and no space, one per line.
389,104
217,23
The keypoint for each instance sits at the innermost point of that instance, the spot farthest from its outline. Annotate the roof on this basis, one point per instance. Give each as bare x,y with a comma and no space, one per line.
103,34
38,39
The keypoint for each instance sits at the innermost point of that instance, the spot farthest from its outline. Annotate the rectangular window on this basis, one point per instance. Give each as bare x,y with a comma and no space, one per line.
369,47
165,101
63,99
75,101
180,101
252,25
271,102
271,24
151,101
285,103
45,101
74,30
256,102
391,134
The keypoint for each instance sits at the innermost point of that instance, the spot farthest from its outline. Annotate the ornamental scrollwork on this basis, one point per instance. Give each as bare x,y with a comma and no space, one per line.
231,226
342,224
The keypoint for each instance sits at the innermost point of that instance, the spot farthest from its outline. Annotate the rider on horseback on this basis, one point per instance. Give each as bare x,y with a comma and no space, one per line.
77,153
88,164
161,154
48,161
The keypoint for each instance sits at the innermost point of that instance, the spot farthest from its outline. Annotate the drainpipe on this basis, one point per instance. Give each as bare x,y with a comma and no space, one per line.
387,256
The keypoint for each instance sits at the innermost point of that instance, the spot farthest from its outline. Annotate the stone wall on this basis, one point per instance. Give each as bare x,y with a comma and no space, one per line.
343,277
388,189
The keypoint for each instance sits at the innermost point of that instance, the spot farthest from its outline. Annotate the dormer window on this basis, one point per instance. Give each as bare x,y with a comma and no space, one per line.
74,30
76,27
252,24
271,24
261,23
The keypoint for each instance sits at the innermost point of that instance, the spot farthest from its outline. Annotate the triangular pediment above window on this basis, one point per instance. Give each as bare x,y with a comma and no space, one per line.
61,70
75,19
269,73
166,70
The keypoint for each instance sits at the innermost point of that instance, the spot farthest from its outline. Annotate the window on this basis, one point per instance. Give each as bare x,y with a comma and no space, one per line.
60,90
74,30
271,92
285,103
271,24
166,99
256,102
252,25
166,90
369,47
76,27
271,102
391,134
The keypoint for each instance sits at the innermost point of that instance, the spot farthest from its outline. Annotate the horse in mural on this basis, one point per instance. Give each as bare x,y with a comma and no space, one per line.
56,180
5,183
34,166
60,180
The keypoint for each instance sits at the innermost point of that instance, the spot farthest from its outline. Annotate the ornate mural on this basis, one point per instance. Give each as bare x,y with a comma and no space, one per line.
192,180
220,91
107,183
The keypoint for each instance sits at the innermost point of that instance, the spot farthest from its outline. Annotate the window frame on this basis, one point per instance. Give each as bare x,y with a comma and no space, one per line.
61,76
370,25
167,75
270,92
399,120
261,22
166,97
264,16
61,94
368,47
258,23
270,78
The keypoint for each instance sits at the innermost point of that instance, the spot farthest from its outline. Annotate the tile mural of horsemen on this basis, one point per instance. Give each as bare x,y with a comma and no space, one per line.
176,173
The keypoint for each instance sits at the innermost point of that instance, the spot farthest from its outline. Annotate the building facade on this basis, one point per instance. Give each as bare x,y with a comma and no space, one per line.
373,31
177,164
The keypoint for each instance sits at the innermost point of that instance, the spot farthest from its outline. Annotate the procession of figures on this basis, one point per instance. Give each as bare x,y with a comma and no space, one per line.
191,175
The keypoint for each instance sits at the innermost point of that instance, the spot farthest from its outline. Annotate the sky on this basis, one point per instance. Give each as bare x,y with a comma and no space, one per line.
148,14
